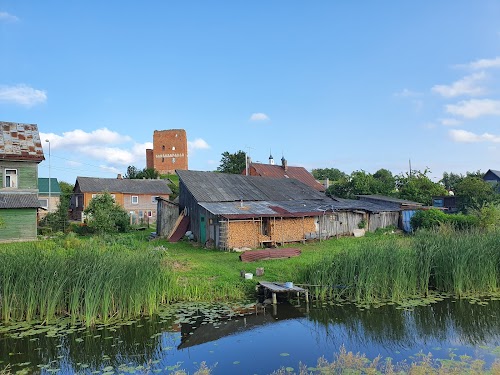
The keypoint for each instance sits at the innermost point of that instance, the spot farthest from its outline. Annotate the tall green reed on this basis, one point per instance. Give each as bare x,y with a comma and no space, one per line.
460,263
90,281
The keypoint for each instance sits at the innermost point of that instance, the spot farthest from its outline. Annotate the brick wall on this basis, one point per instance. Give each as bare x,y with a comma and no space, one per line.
170,150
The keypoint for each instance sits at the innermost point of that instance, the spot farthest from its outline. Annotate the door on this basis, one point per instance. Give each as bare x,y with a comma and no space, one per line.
203,230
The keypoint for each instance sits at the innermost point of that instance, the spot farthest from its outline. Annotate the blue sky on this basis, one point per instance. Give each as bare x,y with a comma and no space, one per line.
327,84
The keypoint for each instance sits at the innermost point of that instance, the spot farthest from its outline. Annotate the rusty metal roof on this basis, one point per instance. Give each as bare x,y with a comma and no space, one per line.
20,142
278,171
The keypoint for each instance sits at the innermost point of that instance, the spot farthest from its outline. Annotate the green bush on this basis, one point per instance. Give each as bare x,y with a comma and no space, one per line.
105,216
434,218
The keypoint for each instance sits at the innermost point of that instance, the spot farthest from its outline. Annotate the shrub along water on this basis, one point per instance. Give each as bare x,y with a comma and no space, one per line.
88,280
448,261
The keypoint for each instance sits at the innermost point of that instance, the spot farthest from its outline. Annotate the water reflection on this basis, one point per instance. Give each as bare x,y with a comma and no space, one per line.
183,336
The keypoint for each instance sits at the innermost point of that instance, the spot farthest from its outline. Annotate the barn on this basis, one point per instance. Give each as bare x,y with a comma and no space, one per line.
229,211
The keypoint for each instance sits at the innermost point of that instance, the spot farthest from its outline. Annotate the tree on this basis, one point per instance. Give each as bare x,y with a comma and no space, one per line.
385,182
333,174
232,163
135,174
105,216
417,187
450,180
473,193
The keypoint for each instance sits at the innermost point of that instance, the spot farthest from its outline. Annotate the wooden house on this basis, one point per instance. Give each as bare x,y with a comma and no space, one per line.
137,197
233,211
48,198
493,177
283,171
20,153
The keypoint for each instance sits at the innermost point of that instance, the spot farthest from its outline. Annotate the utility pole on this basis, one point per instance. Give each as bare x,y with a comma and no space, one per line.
50,182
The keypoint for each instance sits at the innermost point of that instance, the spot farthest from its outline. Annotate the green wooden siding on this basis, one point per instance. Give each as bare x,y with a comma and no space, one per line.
27,173
18,224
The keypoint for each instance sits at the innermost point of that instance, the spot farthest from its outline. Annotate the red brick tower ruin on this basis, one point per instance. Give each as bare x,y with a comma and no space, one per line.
169,151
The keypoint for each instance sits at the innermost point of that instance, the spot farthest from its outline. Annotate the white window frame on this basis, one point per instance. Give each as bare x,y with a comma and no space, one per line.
150,213
136,199
46,205
13,183
153,199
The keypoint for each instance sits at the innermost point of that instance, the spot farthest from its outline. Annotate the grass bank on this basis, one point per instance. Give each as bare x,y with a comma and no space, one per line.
118,277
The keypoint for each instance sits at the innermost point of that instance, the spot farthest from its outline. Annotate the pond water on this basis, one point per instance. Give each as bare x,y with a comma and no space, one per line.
250,339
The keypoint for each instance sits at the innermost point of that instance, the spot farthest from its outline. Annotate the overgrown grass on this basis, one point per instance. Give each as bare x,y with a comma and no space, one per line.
398,268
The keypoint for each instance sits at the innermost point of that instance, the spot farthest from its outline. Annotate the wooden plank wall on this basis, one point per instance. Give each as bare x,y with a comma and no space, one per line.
19,224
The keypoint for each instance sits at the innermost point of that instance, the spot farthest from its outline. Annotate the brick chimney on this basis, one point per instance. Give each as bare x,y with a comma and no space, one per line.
284,163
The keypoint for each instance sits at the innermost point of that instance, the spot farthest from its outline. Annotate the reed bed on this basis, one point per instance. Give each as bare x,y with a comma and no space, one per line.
90,281
458,263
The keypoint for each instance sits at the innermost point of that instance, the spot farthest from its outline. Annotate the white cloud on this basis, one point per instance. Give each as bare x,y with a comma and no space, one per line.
198,144
406,93
112,155
463,136
259,117
79,137
485,63
474,108
449,122
465,86
22,94
107,168
7,17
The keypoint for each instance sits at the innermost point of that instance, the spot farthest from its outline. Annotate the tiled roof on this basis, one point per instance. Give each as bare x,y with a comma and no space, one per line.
18,200
20,142
277,171
116,185
43,186
223,187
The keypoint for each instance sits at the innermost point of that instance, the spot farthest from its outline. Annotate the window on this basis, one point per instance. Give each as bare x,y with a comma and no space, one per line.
134,199
173,148
44,203
173,160
153,199
163,148
11,178
150,213
141,214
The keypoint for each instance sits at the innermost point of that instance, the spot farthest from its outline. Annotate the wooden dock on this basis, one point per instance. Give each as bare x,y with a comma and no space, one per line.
275,288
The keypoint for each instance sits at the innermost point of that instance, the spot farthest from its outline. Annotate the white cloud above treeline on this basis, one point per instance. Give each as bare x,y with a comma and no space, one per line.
198,144
485,63
474,108
259,116
22,94
7,17
468,85
463,136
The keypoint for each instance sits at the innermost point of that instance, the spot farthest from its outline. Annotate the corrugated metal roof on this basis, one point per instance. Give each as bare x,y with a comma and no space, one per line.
43,186
383,198
24,200
277,171
116,185
20,142
297,208
223,187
